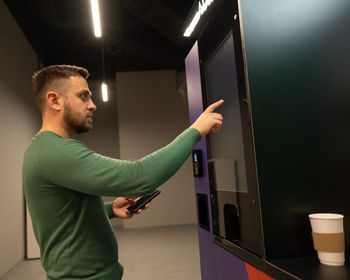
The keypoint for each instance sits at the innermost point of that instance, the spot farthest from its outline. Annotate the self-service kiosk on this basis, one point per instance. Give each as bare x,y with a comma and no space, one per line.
260,176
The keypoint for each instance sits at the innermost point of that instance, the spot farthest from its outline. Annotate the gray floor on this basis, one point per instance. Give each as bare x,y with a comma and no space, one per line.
169,253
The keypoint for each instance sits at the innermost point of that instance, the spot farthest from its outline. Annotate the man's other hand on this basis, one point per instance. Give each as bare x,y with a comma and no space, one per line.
209,120
121,204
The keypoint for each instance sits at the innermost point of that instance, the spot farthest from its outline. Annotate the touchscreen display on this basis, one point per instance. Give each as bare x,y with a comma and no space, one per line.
227,151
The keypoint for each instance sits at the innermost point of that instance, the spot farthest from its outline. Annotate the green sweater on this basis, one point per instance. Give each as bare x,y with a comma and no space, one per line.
63,184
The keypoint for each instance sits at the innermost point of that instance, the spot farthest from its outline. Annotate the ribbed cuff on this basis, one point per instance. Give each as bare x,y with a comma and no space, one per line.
195,133
109,208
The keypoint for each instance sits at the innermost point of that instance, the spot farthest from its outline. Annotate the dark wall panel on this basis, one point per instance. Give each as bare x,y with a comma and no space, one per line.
298,65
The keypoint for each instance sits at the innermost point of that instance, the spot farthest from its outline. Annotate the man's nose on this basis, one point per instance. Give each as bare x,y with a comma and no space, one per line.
92,106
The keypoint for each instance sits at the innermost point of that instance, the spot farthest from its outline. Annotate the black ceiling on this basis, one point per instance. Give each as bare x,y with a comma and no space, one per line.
136,34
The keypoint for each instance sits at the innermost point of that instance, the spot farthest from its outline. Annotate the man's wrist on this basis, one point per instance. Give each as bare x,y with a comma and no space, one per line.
109,209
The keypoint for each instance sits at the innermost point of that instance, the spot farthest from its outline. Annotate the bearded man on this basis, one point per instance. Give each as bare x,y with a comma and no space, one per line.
64,181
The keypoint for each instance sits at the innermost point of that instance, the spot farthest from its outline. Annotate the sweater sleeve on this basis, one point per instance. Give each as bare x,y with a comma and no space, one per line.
109,209
72,165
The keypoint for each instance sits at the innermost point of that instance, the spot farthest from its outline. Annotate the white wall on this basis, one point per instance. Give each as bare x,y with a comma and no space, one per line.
151,114
19,121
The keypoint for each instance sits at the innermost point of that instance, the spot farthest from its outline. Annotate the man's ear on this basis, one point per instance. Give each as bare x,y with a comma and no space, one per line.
53,100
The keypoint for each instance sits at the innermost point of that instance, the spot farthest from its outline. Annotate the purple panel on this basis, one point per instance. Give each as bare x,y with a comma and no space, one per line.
228,266
194,88
216,263
208,268
195,105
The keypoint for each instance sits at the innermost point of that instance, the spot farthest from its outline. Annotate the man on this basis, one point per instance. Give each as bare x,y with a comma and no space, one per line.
64,180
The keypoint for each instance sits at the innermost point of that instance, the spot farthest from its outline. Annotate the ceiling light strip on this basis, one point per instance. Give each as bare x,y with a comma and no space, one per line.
96,17
104,92
202,8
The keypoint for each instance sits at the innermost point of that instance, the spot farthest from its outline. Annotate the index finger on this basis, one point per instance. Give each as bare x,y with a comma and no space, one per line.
211,108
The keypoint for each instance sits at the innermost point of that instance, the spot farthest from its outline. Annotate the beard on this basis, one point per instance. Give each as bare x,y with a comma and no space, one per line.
74,123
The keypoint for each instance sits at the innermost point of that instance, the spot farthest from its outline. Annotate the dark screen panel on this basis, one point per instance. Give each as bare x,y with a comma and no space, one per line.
232,172
227,151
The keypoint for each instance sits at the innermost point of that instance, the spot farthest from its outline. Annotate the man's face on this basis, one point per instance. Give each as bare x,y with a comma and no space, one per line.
78,106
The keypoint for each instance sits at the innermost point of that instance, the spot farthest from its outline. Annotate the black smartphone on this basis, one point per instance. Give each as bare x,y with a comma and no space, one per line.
142,201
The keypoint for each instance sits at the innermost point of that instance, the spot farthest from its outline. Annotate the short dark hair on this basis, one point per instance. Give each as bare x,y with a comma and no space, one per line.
46,77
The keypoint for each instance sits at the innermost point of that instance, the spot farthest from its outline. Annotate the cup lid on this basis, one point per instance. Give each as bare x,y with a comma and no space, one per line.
328,216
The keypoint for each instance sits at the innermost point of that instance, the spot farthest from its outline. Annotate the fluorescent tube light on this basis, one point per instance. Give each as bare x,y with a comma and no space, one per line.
202,8
104,92
96,17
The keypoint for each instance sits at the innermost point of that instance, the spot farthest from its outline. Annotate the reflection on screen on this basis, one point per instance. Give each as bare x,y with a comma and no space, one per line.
227,153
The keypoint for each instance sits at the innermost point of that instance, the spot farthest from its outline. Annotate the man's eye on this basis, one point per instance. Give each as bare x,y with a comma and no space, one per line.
84,96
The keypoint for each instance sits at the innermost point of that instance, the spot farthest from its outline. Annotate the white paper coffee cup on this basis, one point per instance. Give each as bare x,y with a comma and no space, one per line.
328,227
